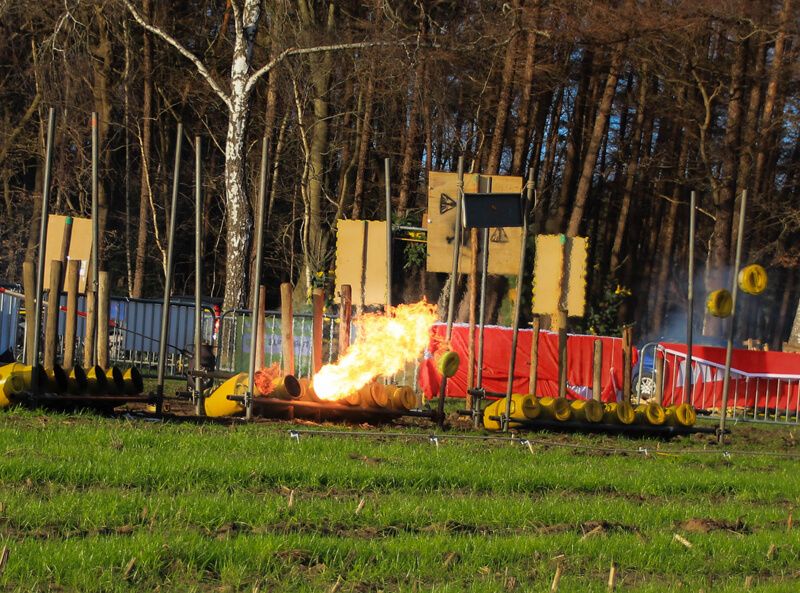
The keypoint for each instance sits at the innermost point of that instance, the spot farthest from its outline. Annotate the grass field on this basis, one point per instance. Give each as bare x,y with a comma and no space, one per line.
89,503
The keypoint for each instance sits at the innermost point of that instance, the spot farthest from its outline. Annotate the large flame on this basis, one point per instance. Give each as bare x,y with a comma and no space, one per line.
385,342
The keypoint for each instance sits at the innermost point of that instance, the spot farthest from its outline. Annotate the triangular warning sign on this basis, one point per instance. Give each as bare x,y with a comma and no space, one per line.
446,203
499,236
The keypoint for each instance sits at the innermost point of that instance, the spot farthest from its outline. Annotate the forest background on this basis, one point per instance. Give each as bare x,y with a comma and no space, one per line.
620,109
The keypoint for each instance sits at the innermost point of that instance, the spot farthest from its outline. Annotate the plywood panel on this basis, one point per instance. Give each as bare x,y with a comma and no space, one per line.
547,272
80,246
504,243
361,260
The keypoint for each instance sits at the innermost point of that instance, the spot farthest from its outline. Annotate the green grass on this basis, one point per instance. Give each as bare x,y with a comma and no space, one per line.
247,508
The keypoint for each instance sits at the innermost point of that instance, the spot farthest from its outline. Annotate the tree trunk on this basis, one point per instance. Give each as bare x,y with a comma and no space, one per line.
145,140
590,160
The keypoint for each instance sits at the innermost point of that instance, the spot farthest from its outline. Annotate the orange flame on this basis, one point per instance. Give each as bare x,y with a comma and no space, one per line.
385,342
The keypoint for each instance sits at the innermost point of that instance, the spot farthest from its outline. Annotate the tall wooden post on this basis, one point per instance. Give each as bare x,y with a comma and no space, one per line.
89,353
258,323
597,375
103,319
318,297
533,377
345,318
29,288
627,362
287,332
53,305
71,323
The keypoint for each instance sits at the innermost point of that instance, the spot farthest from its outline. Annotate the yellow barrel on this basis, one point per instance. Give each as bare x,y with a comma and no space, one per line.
10,384
495,409
650,413
114,381
76,381
307,393
217,404
351,399
132,381
753,279
555,408
618,413
56,379
26,373
449,363
586,410
720,303
681,415
525,405
287,387
402,398
97,383
373,395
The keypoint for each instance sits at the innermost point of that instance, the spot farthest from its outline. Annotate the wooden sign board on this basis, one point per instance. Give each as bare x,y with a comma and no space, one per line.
361,260
80,245
549,265
504,243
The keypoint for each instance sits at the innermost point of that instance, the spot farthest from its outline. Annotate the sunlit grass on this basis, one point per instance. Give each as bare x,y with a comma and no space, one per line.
244,507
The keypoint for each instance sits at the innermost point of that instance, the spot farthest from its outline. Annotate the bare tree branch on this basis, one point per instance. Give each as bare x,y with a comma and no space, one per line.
201,68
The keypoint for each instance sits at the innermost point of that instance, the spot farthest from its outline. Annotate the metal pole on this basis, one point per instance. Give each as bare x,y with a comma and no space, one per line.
198,270
256,282
95,227
388,235
476,408
518,303
162,345
734,293
688,375
453,276
35,316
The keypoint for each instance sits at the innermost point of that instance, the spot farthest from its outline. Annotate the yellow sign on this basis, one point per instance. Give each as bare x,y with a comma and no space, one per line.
504,243
560,263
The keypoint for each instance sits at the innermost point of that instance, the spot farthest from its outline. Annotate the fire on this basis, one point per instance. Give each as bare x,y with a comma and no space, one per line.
385,342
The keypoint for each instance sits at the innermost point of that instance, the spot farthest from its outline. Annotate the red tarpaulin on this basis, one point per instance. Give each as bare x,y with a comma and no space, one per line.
497,346
759,379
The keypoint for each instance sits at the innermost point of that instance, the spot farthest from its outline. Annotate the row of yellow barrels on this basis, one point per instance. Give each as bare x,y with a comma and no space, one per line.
16,378
563,410
290,388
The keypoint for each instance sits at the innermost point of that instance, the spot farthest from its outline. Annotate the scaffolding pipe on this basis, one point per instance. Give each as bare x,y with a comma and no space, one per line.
255,283
687,376
36,317
526,209
734,293
198,270
162,344
453,276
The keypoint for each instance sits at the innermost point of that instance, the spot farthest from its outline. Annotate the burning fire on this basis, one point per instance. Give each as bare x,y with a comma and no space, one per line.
382,347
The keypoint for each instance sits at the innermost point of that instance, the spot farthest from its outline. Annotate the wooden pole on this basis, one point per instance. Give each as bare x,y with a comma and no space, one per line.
29,288
259,325
534,372
71,322
103,319
659,395
66,240
597,368
287,332
562,353
53,305
627,362
91,330
318,296
345,318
